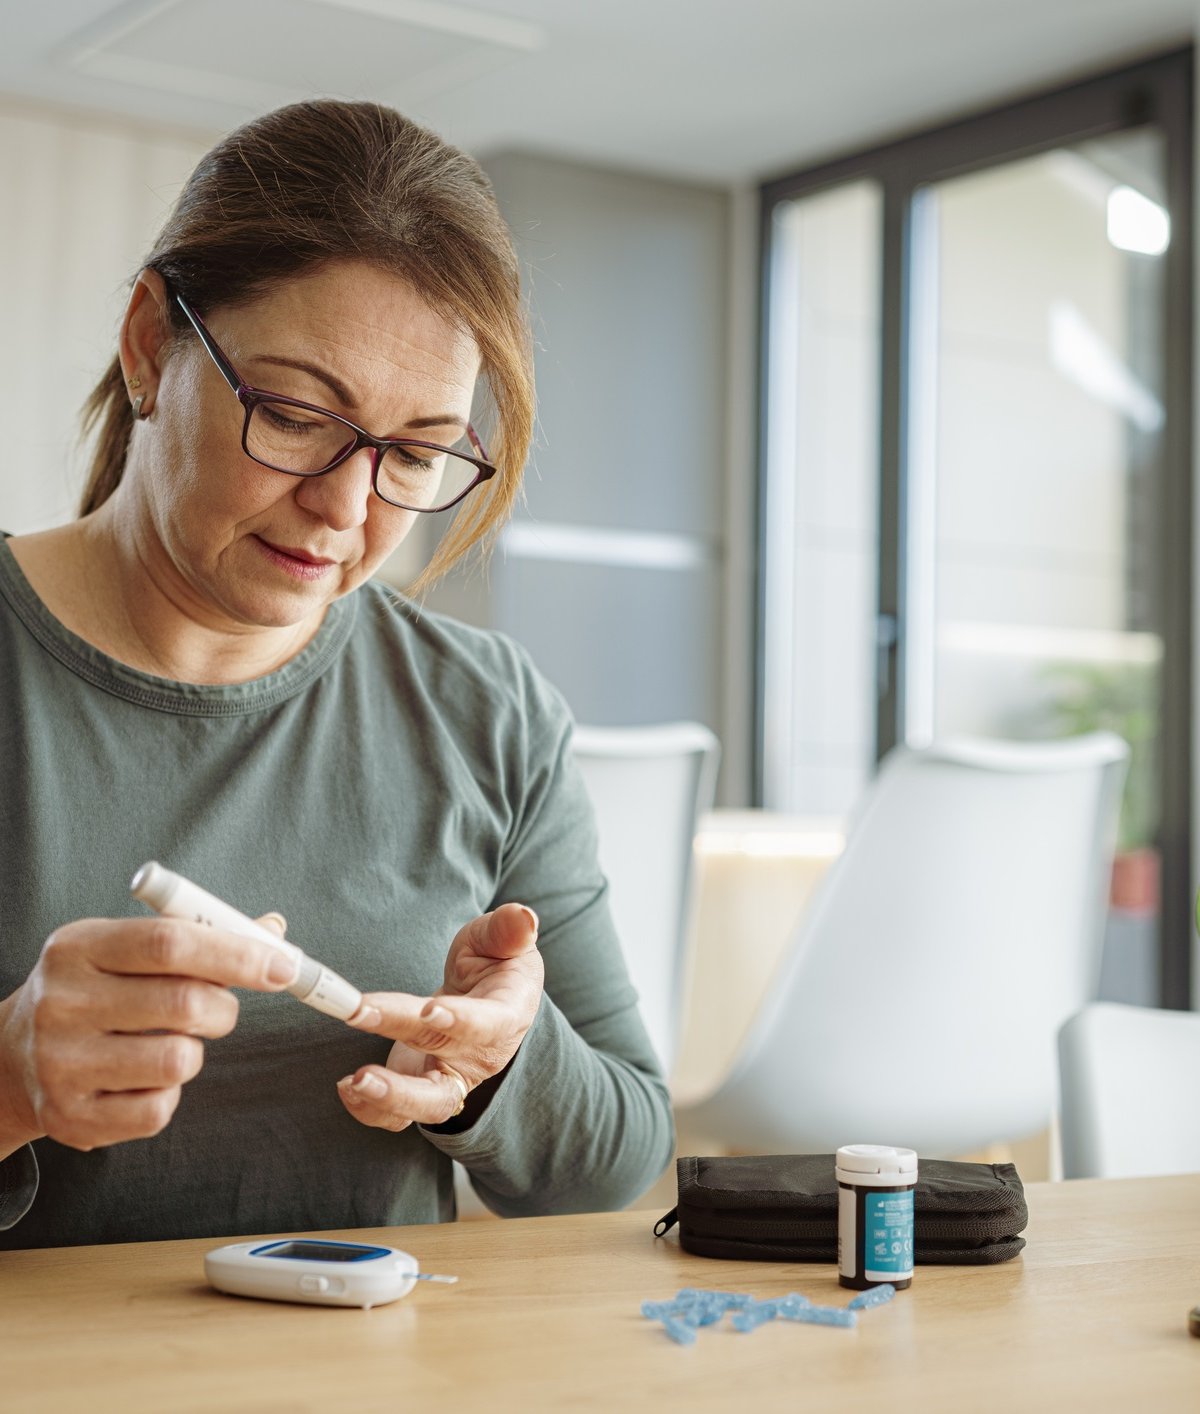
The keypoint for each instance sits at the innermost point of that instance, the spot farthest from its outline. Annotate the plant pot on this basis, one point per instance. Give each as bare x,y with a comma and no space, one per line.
1135,881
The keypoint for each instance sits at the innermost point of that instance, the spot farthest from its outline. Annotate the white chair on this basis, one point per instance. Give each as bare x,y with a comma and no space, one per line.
649,786
921,997
1128,1076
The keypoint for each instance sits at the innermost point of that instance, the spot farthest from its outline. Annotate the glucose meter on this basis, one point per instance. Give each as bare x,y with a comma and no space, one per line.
315,1271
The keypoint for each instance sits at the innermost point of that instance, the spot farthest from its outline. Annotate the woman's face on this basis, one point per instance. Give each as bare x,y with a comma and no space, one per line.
257,547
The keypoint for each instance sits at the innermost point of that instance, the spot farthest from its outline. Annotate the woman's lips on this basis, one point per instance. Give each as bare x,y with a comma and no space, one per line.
300,564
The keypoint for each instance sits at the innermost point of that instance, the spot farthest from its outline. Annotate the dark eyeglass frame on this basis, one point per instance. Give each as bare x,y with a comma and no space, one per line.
250,397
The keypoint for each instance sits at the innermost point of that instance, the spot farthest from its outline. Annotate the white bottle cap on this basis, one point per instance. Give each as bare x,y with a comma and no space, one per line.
876,1165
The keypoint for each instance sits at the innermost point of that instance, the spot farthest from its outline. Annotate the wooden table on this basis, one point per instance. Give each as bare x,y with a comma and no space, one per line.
546,1316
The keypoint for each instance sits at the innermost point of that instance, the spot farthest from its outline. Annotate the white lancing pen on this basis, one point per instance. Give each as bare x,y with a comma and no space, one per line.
173,896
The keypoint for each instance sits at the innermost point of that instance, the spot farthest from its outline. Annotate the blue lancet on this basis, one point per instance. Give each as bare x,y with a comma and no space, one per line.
875,1296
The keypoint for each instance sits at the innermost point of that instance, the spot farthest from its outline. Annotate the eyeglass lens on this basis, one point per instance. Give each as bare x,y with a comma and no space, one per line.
304,443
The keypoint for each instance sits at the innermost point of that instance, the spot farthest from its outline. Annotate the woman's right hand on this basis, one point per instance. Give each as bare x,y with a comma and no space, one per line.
97,1042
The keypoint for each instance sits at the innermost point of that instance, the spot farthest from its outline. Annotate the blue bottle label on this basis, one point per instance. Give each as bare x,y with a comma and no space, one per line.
888,1235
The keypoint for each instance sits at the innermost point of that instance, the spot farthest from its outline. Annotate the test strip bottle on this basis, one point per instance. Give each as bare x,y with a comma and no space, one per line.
875,1215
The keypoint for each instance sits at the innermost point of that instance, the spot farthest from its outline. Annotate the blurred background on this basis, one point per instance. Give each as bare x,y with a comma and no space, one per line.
864,355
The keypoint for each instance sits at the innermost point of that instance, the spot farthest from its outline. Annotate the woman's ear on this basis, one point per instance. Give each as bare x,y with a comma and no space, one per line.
145,331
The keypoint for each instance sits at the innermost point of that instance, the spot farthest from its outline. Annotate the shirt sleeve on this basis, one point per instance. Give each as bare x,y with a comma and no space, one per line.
18,1185
582,1119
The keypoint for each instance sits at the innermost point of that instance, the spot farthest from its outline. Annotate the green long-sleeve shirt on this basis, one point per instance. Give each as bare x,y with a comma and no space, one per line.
398,777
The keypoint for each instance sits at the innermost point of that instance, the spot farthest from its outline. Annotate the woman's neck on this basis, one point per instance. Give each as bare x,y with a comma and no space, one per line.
116,589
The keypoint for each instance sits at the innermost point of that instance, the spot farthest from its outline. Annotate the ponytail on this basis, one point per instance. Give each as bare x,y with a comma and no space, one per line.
107,408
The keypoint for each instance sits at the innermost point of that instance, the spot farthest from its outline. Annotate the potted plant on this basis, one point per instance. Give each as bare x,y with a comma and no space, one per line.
1121,698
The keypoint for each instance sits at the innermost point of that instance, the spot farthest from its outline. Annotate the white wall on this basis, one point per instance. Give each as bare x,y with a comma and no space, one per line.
613,571
80,201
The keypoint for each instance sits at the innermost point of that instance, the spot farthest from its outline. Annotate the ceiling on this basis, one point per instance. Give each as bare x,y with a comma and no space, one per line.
712,90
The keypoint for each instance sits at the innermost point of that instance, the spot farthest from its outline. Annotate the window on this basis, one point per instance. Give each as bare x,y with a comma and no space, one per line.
976,509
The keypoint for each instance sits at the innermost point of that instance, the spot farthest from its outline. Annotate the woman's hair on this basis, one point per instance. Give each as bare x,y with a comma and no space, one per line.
327,180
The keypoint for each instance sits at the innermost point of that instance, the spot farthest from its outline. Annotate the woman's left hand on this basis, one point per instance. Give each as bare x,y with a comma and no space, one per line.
467,1032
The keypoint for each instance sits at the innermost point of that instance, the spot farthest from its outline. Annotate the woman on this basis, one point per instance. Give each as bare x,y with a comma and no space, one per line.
201,670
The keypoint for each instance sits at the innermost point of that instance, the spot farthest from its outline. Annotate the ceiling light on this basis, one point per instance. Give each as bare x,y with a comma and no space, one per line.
1136,223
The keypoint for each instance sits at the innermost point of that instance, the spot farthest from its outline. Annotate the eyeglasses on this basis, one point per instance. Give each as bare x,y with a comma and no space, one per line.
301,439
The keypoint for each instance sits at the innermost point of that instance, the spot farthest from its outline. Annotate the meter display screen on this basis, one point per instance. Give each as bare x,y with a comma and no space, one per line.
313,1251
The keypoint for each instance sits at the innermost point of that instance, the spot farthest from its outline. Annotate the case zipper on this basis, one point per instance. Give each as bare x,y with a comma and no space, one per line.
666,1222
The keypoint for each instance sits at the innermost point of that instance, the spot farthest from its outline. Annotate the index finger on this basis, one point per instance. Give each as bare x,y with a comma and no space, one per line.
178,948
401,1016
444,1022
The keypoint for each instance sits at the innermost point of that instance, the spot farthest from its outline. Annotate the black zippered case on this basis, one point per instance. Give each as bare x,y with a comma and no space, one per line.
784,1208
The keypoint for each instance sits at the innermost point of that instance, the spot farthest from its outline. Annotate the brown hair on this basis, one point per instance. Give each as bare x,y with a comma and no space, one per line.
327,180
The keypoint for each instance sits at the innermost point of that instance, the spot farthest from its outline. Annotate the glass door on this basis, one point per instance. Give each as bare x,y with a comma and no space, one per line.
1037,414
820,502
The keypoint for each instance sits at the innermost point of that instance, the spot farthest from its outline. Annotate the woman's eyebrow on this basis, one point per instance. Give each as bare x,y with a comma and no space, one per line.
335,385
346,398
443,419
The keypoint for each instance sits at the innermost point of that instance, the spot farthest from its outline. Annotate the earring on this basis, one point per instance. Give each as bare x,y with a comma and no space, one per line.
137,407
135,381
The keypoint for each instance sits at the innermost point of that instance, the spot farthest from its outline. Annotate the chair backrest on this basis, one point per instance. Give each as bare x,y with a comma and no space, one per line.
648,786
1128,1087
919,1001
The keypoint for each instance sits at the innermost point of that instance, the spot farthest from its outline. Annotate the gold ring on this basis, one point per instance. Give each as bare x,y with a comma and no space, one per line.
463,1089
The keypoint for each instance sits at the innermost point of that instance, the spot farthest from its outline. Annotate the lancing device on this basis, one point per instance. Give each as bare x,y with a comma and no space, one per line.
176,897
